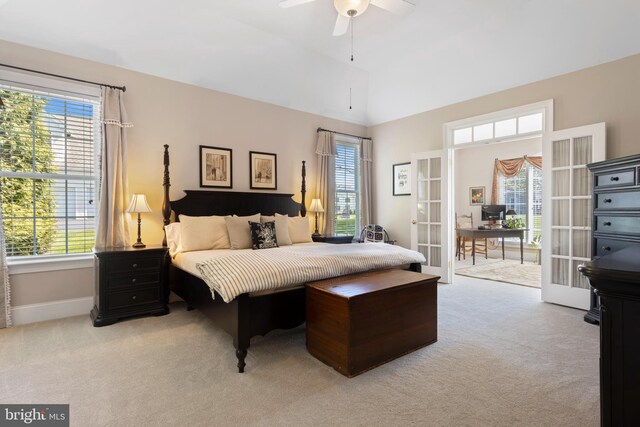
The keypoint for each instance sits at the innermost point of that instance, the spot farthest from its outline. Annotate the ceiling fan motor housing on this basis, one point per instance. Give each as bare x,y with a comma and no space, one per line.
350,8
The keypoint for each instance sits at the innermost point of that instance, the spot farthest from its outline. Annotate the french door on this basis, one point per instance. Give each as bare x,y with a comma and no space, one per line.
430,212
567,212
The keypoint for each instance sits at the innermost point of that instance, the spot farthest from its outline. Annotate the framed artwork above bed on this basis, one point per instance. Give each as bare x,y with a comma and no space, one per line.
216,167
263,170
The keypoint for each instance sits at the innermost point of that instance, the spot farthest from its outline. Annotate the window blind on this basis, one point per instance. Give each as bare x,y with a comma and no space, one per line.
48,170
347,180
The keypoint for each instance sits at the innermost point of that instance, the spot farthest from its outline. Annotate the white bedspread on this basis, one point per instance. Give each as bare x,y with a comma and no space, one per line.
239,272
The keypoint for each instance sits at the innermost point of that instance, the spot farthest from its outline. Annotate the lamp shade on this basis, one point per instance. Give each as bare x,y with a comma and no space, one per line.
316,206
511,212
138,204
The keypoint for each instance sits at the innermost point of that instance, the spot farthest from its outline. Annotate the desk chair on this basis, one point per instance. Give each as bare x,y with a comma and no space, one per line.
466,221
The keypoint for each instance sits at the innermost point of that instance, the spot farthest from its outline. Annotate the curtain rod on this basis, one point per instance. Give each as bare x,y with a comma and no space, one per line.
122,88
342,133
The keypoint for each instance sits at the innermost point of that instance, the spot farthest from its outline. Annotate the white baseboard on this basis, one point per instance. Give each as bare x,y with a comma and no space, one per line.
33,313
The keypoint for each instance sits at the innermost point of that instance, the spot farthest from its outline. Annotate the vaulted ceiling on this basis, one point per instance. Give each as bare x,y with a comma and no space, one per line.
443,51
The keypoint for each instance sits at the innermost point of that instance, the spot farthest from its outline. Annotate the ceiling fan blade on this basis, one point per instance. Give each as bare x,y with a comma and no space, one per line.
399,7
342,25
291,3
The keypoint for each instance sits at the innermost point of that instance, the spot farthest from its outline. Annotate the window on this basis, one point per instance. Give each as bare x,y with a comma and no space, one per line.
48,168
347,202
523,125
523,194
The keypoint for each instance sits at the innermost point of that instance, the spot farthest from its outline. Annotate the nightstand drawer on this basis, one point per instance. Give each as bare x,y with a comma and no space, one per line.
133,280
133,264
126,299
618,224
618,200
618,178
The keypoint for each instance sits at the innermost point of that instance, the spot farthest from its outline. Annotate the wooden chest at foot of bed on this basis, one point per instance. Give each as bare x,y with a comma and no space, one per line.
355,323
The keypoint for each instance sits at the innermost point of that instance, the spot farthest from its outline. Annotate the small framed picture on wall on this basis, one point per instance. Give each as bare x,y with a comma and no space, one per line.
216,167
263,171
476,195
402,179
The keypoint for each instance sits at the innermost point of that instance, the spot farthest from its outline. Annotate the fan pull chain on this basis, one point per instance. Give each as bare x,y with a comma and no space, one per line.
351,25
349,98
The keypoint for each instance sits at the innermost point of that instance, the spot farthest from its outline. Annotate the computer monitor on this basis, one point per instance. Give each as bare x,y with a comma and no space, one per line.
493,212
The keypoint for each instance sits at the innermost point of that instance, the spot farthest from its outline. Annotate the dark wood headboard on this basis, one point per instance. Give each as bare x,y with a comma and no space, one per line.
203,202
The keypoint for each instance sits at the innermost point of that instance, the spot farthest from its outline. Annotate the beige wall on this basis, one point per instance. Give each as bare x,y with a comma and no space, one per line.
606,93
183,116
474,168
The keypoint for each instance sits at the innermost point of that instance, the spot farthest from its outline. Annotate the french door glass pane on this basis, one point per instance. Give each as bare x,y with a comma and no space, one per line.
582,149
581,182
579,280
436,170
560,271
560,213
422,212
434,208
435,235
434,186
561,153
436,256
423,169
422,233
561,183
424,250
560,243
582,212
581,243
422,190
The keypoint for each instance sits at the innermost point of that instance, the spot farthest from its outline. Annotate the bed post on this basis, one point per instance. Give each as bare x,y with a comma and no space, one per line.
166,204
303,190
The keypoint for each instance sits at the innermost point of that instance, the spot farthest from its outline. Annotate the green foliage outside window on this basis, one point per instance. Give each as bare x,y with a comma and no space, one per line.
28,205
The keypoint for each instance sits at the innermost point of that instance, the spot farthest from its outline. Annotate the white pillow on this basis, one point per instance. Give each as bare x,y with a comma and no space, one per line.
173,238
282,228
199,233
299,229
240,232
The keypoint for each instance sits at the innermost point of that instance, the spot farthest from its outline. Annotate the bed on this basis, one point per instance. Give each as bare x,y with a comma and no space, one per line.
248,314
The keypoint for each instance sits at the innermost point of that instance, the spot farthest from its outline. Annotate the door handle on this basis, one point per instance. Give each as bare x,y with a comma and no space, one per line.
413,221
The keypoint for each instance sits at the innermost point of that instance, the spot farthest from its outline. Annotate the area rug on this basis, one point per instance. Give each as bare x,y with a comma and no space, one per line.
508,271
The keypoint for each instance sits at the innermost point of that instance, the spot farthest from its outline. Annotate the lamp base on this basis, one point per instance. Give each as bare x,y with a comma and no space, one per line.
316,234
139,245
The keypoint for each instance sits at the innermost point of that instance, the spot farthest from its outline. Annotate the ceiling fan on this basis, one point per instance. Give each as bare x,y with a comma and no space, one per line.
347,9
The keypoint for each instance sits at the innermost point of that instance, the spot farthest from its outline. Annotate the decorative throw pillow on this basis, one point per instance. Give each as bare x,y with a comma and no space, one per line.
299,229
263,235
173,238
239,231
282,228
199,233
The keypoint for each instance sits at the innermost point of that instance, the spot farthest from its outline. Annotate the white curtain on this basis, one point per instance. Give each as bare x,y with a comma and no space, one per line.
5,289
325,184
113,227
366,158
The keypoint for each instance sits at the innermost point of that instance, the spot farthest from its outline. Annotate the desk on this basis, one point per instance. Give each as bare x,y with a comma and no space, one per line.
474,233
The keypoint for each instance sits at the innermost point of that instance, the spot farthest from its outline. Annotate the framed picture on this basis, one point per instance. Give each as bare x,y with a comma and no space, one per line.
215,167
476,195
402,179
263,171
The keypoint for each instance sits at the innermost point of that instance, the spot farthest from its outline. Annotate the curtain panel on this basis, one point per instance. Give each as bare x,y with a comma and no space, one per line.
510,168
5,289
113,226
325,180
366,159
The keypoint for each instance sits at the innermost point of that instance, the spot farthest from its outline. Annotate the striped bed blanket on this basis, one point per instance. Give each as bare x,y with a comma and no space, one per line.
267,269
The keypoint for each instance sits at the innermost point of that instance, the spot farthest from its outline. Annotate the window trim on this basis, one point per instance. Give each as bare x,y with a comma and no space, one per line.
41,263
351,141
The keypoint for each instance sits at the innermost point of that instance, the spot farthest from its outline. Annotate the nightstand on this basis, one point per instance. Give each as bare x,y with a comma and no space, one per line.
129,282
332,239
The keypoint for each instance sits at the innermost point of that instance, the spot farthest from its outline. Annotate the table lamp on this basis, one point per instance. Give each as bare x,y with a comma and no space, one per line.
138,205
316,206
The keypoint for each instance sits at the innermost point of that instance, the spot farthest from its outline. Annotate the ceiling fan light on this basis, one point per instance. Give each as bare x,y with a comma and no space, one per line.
351,7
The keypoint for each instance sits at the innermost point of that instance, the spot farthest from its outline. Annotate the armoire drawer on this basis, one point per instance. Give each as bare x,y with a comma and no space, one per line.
605,246
618,200
618,224
617,178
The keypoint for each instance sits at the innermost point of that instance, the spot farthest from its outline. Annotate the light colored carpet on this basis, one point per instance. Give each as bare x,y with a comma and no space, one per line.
503,358
508,271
